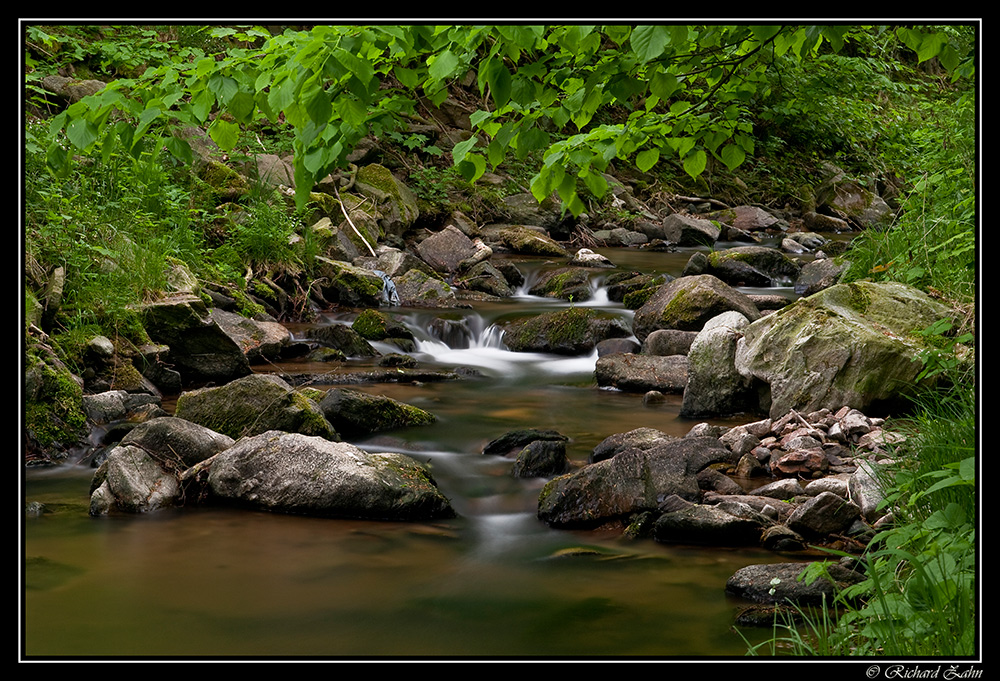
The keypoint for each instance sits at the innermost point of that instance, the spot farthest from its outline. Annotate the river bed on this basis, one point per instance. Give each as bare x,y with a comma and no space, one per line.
494,583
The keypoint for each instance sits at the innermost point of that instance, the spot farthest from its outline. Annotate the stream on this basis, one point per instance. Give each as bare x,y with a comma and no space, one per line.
493,583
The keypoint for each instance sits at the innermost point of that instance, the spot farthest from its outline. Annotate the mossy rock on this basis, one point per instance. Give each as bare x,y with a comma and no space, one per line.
572,331
375,326
355,413
251,405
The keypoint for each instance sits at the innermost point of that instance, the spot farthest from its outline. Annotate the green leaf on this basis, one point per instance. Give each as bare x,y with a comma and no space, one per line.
732,155
695,162
663,84
499,80
82,133
472,167
441,66
646,159
179,149
224,133
460,150
224,87
242,106
649,42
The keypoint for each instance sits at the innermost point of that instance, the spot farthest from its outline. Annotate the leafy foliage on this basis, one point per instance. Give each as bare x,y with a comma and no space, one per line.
583,96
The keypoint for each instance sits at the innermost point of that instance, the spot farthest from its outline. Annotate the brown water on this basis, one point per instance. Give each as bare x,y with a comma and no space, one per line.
494,583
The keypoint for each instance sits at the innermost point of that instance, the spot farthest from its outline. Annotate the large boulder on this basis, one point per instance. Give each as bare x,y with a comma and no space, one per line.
141,474
686,303
252,405
781,583
344,338
687,230
746,218
397,205
634,373
752,266
714,387
259,340
354,413
573,331
200,349
567,283
445,250
294,473
419,289
529,241
847,199
633,481
343,283
850,344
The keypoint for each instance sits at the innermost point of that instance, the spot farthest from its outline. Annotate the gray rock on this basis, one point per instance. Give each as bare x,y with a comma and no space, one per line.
780,583
848,344
252,405
642,373
822,515
572,331
700,524
687,303
354,413
714,386
633,481
293,473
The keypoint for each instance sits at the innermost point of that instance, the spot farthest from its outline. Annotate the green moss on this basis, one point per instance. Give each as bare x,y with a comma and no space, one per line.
858,297
54,411
371,325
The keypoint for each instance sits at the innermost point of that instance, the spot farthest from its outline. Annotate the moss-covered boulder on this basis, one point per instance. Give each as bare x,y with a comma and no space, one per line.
752,266
418,289
686,303
344,339
573,331
343,283
355,413
293,473
375,326
714,387
396,204
200,349
567,283
252,405
850,344
528,241
54,417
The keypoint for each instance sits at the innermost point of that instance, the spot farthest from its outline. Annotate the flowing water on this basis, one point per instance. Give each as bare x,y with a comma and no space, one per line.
493,583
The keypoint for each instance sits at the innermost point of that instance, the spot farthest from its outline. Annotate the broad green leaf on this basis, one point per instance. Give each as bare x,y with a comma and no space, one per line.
460,150
145,120
646,159
596,183
223,86
242,106
441,66
319,108
649,42
179,149
472,167
695,162
82,133
224,133
732,155
663,84
499,80
763,33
